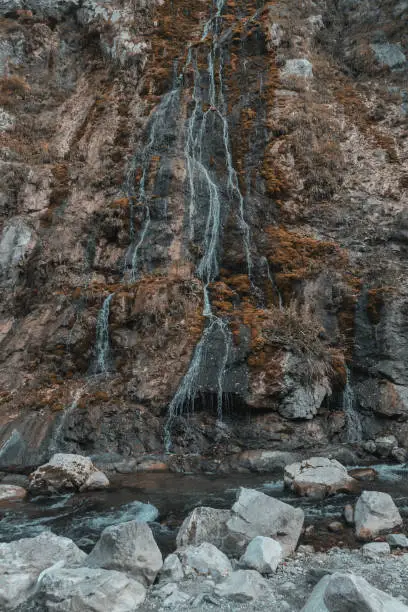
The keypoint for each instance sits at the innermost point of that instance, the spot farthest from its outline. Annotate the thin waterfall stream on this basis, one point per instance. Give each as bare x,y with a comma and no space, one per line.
102,345
201,178
353,420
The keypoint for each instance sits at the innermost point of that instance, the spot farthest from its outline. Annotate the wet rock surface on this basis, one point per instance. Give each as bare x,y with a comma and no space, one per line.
318,477
101,148
65,472
375,513
129,547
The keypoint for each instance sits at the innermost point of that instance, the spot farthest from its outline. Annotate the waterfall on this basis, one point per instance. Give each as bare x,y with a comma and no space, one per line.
102,346
274,286
190,385
155,145
353,420
201,179
55,444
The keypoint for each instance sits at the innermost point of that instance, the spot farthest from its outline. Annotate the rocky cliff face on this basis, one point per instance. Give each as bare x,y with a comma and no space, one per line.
204,225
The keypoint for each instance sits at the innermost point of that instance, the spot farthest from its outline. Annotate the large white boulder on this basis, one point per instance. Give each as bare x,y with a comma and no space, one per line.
317,477
242,586
205,560
66,471
340,592
84,589
255,514
375,513
263,555
22,561
128,547
9,493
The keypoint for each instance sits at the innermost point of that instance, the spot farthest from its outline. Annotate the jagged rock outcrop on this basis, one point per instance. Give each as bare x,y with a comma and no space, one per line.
151,150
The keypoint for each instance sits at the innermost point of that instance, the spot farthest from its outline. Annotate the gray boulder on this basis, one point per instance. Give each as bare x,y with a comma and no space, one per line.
341,592
205,560
22,561
204,524
397,540
84,589
318,477
263,555
375,513
66,471
172,570
170,595
298,67
373,550
128,547
9,493
242,586
385,445
255,514
389,55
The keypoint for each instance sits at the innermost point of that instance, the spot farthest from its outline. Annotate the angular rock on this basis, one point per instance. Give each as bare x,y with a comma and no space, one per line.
171,595
375,513
84,589
385,445
335,526
128,547
363,474
204,524
255,514
96,480
397,540
341,592
22,561
9,493
67,472
298,67
265,460
302,402
13,449
348,514
390,55
172,570
205,560
242,586
318,477
263,555
399,454
373,550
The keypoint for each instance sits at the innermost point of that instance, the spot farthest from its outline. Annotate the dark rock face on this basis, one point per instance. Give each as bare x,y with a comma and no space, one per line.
203,230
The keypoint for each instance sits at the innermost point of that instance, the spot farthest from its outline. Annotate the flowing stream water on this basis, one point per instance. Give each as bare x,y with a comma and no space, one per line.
164,500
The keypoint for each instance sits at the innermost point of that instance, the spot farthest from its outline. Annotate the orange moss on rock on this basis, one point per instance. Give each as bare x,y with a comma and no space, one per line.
375,302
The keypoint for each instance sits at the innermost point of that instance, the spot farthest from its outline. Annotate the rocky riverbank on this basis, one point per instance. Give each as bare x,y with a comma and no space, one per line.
255,555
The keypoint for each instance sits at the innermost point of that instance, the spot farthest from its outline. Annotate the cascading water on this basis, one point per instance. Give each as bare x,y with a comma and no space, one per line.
274,286
56,439
142,160
102,346
353,421
202,179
